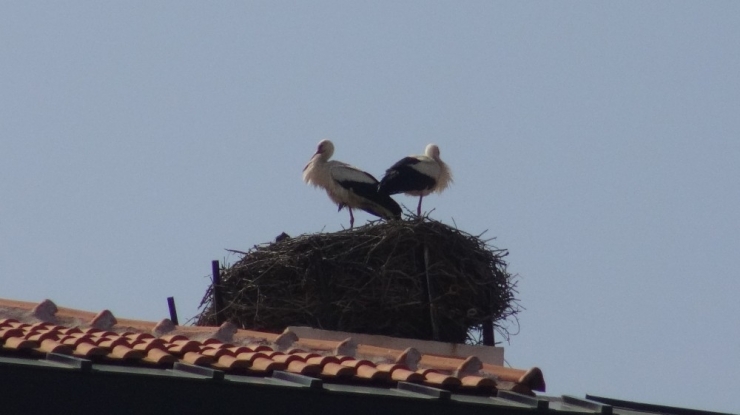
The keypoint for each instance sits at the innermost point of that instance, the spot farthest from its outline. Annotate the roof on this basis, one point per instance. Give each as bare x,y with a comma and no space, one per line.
65,352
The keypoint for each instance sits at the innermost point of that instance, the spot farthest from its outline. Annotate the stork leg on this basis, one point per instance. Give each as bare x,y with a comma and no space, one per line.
418,208
351,218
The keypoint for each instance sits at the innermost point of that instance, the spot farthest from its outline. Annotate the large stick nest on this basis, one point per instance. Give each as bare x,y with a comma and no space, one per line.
409,278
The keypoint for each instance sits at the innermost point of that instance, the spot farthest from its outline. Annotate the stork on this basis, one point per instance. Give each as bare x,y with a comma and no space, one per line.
417,175
348,186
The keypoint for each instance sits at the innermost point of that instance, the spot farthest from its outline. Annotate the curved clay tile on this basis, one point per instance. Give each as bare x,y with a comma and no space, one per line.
20,343
337,370
147,345
532,378
75,340
182,347
250,356
41,336
135,337
264,364
370,372
217,353
89,350
53,346
366,369
283,357
400,373
70,330
230,362
304,355
8,332
478,382
303,368
159,357
435,378
197,359
127,353
111,343
322,360
6,322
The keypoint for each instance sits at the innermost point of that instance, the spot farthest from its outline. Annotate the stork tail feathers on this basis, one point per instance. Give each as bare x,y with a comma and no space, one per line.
382,205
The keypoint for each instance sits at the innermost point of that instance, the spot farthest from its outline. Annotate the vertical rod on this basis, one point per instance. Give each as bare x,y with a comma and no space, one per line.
432,309
488,333
218,301
173,310
487,330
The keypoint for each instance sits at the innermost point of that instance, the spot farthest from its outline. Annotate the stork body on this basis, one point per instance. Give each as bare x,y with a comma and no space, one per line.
417,175
348,186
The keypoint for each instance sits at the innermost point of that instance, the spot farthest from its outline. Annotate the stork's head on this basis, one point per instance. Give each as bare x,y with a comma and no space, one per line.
323,152
432,151
325,149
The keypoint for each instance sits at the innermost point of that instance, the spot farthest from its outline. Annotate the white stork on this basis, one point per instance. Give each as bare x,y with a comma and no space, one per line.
348,186
417,175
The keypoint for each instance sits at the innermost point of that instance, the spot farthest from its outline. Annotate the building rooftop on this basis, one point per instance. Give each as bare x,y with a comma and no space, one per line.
46,348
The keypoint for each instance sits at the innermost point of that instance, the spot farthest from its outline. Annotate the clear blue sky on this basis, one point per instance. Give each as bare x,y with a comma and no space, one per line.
598,141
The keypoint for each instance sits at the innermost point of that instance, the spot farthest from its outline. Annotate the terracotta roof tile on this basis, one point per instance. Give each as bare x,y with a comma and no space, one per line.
531,379
111,342
227,362
251,356
92,330
53,346
239,349
352,362
342,358
303,355
148,344
125,352
322,360
216,353
172,338
39,336
159,356
283,358
197,359
41,326
182,348
334,357
88,350
135,337
365,369
335,369
400,373
443,381
5,322
259,347
19,343
9,332
265,364
372,373
303,368
76,339
69,330
216,343
451,364
409,357
478,382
